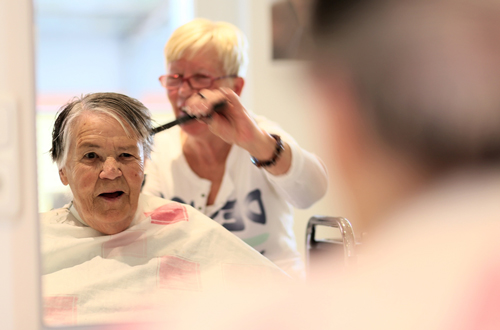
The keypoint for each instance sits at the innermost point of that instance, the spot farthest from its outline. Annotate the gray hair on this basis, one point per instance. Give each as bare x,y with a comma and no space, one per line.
427,72
121,107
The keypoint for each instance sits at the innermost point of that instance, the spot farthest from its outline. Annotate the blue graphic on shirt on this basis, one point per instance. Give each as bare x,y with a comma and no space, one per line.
255,196
232,216
179,200
231,212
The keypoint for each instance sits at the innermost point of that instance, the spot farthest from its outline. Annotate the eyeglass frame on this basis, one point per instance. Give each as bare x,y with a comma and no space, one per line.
164,85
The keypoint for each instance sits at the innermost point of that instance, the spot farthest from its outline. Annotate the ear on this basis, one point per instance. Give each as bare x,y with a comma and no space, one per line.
63,177
239,82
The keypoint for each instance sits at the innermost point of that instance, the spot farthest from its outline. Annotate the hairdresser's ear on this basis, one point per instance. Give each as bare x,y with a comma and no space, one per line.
239,82
63,177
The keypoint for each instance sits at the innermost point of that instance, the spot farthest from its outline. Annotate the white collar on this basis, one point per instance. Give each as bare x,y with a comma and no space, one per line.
73,211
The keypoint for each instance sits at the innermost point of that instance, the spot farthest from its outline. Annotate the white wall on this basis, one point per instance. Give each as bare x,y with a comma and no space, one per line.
67,64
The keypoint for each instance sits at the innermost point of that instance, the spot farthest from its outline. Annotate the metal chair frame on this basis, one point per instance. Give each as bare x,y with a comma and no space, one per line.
348,239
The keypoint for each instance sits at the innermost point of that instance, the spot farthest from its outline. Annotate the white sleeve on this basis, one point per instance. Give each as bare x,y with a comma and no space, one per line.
306,181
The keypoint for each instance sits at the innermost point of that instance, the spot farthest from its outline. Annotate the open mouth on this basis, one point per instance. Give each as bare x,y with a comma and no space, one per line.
112,195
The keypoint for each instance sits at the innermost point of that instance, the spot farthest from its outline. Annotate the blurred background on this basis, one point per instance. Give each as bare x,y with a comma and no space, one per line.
117,46
96,46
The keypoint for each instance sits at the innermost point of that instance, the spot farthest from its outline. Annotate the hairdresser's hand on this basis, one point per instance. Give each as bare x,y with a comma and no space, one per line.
233,124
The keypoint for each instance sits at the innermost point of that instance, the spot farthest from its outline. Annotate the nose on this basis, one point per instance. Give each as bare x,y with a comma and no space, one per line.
110,169
185,89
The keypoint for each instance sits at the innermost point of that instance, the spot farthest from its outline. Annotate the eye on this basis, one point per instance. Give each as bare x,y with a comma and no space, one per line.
201,78
173,79
90,155
126,155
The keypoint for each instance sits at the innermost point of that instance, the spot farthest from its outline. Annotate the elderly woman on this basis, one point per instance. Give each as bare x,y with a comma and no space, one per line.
112,244
240,169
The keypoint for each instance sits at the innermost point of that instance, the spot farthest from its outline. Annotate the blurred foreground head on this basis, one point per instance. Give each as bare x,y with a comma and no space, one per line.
411,89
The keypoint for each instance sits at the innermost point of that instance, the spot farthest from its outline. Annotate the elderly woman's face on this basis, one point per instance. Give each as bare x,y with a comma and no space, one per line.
205,62
105,170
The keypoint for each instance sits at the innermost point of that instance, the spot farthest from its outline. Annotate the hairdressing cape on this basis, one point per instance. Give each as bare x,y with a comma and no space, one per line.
169,256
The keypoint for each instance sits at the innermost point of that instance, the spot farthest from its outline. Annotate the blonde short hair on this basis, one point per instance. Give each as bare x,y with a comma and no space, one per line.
229,42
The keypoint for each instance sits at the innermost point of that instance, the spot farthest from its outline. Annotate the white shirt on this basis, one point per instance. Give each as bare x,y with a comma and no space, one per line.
252,203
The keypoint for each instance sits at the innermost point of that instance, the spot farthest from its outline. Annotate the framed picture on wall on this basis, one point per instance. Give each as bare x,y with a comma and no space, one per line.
290,29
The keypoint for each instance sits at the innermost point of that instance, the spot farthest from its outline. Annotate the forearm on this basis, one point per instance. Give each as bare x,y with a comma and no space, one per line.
265,148
305,182
298,175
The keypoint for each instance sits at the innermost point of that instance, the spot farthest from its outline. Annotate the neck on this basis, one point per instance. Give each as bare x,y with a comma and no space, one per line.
207,149
101,226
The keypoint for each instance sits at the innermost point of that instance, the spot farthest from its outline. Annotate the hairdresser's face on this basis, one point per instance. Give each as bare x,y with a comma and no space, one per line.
205,62
105,170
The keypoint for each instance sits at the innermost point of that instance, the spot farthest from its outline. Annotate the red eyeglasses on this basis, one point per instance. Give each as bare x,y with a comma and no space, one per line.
197,81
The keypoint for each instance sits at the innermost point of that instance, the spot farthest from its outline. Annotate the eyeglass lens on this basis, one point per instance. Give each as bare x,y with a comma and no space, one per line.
197,81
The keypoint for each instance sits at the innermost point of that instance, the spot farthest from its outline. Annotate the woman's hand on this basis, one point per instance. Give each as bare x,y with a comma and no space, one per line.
233,124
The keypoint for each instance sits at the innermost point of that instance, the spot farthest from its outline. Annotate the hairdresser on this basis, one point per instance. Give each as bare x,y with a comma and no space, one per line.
240,169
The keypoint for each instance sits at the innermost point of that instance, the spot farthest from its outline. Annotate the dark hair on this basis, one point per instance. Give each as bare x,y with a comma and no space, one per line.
119,106
426,72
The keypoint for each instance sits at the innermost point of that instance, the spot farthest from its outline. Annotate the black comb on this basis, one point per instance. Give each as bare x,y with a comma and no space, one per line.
217,107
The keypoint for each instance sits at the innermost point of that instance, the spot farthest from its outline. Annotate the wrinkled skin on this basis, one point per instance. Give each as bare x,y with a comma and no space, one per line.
105,170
